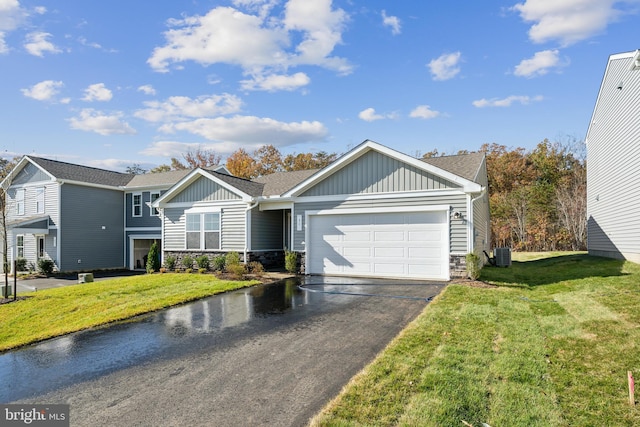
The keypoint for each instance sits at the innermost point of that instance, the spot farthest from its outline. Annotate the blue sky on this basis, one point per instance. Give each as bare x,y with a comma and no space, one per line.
117,83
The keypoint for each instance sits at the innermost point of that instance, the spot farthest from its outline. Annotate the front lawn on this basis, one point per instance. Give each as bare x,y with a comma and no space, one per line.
52,312
550,346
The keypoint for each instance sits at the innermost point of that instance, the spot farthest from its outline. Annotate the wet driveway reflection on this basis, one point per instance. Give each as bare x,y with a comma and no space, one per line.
194,327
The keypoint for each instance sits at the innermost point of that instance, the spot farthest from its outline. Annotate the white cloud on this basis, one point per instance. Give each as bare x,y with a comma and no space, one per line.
91,120
391,21
424,112
97,92
11,15
184,108
276,82
43,91
369,115
252,130
567,21
506,102
37,44
147,89
259,43
177,149
539,64
446,66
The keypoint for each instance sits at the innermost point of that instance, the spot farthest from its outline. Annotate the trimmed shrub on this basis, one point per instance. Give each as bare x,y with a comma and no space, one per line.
170,262
218,262
153,258
45,266
231,258
473,266
256,268
187,261
21,264
203,262
291,261
236,270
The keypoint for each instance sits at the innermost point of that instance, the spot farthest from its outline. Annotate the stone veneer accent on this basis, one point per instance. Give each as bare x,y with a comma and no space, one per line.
269,259
458,266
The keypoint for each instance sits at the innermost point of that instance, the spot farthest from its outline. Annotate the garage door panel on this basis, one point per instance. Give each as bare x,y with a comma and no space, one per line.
379,244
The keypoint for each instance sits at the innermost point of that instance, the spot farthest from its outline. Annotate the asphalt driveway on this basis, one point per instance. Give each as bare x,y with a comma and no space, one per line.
272,355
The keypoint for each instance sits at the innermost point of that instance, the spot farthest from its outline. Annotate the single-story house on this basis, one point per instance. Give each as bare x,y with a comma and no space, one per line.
373,212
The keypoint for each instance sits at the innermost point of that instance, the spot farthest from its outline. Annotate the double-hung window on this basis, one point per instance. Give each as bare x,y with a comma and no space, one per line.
20,201
136,204
154,196
40,200
203,230
20,246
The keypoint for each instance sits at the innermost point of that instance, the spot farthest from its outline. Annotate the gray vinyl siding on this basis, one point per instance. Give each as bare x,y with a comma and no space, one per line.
374,172
146,220
267,229
458,202
481,216
84,211
232,228
204,190
613,175
30,174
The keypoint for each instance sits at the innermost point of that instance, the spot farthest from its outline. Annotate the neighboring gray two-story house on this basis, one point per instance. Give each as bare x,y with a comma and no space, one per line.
613,162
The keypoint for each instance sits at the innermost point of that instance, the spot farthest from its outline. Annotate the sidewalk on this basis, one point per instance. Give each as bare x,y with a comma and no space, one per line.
36,284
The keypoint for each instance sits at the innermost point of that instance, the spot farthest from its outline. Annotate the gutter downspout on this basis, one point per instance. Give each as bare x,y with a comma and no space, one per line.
247,231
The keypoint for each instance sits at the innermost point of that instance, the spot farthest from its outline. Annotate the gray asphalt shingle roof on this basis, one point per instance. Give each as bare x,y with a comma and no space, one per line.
280,182
464,165
72,172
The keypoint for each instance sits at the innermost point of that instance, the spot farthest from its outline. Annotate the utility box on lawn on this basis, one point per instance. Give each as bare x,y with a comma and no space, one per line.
85,277
2,289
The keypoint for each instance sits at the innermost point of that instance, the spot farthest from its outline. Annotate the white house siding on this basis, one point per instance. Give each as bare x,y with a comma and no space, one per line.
232,224
375,172
613,172
481,214
457,201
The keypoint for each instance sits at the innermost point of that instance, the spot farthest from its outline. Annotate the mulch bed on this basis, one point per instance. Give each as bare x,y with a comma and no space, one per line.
10,299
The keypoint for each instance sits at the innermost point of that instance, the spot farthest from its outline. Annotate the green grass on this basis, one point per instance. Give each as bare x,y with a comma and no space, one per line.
53,312
551,346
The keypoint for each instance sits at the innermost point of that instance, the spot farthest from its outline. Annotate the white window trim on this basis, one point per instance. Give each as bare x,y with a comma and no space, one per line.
18,246
134,205
202,212
20,201
153,211
40,200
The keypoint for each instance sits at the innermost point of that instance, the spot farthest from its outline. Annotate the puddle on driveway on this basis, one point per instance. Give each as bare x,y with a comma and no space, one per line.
204,325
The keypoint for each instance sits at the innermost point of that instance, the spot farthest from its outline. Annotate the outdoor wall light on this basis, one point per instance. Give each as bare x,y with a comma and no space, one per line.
457,215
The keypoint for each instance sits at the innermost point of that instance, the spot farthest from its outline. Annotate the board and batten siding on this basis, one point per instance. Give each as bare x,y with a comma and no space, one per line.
92,228
232,225
374,172
203,190
267,229
30,174
613,172
458,202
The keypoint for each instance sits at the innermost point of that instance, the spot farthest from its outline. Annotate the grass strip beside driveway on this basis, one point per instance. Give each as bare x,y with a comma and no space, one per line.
551,346
53,312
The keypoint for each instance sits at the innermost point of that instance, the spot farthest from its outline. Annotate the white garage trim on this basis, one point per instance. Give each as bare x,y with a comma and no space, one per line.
370,238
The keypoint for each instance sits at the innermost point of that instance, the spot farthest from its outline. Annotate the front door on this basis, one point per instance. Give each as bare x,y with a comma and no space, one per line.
40,246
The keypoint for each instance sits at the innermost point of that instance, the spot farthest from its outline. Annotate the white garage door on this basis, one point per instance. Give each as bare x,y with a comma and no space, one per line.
399,244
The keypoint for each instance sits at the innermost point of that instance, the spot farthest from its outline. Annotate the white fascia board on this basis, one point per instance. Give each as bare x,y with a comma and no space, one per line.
266,205
6,182
378,196
191,178
211,204
395,209
368,145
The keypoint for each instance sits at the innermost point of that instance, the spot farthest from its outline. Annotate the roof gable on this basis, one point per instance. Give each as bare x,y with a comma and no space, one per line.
373,168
